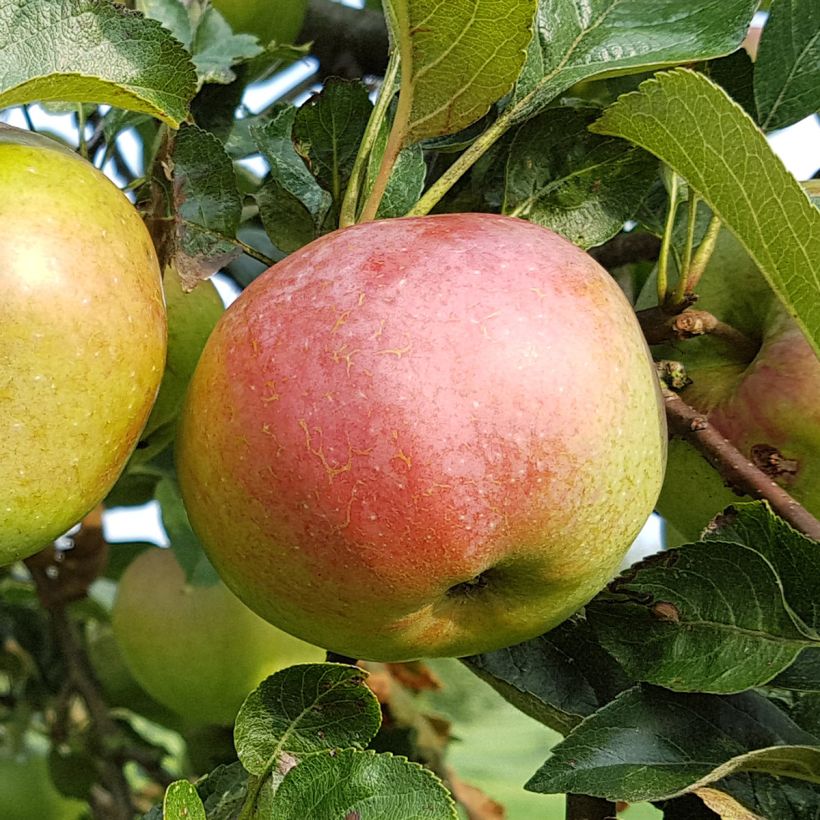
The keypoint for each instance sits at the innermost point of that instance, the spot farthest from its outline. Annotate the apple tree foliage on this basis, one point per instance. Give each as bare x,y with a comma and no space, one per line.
693,680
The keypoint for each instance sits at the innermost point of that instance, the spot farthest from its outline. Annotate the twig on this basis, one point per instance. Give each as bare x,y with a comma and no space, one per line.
739,472
658,327
103,726
584,807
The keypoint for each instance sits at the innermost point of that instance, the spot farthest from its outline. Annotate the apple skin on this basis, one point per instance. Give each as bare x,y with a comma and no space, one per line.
269,20
191,318
771,400
423,437
26,789
83,331
197,650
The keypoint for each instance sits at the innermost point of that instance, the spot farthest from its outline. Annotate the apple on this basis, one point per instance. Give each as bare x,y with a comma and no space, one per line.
766,402
277,21
197,650
118,684
83,338
26,789
423,437
191,318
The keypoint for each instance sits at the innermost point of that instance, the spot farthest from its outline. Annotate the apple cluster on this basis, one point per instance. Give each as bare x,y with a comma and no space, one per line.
419,437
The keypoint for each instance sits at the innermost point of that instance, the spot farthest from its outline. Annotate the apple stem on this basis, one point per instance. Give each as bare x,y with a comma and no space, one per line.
387,91
700,260
687,423
666,243
584,807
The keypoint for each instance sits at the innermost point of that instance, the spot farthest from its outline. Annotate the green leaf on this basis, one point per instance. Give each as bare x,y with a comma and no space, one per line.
576,183
208,204
696,129
795,557
216,49
652,744
700,618
186,546
558,678
92,51
577,40
787,70
457,58
292,204
349,783
173,16
328,129
182,802
304,710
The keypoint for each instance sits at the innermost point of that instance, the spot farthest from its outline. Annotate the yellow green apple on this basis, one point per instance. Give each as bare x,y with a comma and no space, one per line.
197,650
423,437
82,338
26,789
191,318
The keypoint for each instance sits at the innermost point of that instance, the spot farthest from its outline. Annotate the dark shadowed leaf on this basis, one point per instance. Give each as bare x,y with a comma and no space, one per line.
651,744
558,678
703,135
328,128
303,710
223,791
700,618
357,785
803,675
787,71
765,797
292,204
92,51
734,74
576,183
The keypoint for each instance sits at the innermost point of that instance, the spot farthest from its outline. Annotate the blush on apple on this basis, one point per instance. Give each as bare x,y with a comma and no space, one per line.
423,437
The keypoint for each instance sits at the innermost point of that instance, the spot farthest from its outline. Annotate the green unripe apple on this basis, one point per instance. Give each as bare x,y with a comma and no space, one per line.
26,789
197,650
118,684
765,401
191,318
82,338
423,437
269,20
